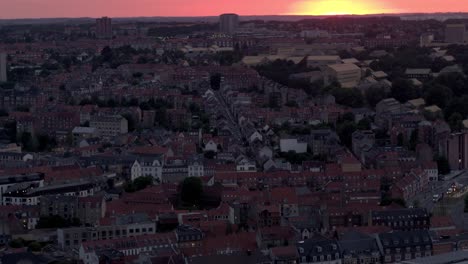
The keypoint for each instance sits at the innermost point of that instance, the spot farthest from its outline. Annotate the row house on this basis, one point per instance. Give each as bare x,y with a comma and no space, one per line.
10,100
405,245
401,219
73,237
128,246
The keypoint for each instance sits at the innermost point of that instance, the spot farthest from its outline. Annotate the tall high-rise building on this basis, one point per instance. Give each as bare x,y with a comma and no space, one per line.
104,27
3,67
456,151
455,33
228,23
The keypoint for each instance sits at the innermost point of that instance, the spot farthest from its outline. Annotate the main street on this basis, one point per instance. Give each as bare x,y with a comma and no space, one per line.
447,206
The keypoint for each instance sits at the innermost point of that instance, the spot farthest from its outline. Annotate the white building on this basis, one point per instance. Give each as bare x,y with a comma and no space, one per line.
147,166
255,136
196,169
211,146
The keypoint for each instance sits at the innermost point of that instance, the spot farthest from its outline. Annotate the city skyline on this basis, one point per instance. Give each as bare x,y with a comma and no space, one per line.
184,8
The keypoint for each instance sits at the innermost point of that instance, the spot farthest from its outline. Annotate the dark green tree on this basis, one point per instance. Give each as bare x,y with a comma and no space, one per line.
443,165
413,142
215,81
456,121
345,131
192,191
404,90
34,246
374,95
437,95
348,97
400,140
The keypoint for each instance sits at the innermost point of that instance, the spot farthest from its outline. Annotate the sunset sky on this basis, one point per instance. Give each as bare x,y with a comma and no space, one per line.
130,8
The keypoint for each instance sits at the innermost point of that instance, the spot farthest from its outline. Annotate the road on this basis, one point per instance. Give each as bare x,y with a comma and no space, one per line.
447,206
226,111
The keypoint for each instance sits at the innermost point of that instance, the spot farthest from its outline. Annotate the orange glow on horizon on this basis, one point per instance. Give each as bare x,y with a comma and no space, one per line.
340,7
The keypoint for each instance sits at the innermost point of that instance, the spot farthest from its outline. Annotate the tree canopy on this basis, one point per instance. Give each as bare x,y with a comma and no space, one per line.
191,191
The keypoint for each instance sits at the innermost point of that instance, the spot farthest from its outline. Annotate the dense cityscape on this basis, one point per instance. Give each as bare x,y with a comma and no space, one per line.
339,139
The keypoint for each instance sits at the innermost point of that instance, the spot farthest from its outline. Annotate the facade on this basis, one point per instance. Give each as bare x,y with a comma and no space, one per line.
89,210
73,237
8,181
228,23
348,75
147,166
401,219
3,67
455,33
456,151
89,251
104,27
196,169
420,74
31,193
359,248
319,249
109,125
405,245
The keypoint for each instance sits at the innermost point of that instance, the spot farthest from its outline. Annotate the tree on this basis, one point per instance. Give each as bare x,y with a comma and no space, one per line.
215,81
138,184
364,124
439,95
292,104
455,81
192,191
35,246
17,243
413,140
443,165
456,121
348,97
345,131
400,139
466,204
28,142
107,54
404,90
56,221
374,95
210,154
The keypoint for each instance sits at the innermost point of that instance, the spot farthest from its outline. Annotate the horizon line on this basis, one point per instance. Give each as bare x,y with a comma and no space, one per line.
240,15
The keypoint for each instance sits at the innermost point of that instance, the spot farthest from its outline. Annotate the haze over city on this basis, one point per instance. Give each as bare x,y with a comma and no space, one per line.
135,8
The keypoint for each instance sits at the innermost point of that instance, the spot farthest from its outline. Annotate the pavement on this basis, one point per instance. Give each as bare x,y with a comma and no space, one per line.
448,205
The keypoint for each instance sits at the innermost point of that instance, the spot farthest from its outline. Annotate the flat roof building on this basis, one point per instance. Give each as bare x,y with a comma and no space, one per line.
347,74
455,33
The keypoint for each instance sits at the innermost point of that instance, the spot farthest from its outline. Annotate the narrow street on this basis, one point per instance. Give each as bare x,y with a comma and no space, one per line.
233,124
